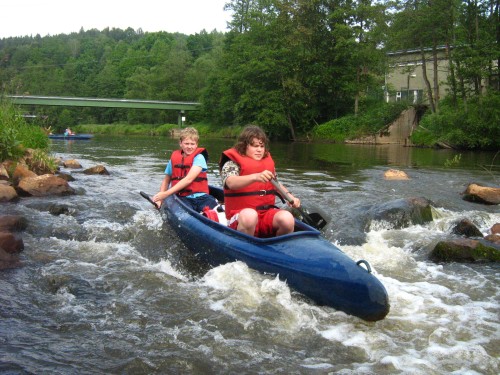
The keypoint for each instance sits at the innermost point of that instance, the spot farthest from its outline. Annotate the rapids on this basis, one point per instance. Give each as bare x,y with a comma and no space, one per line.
110,289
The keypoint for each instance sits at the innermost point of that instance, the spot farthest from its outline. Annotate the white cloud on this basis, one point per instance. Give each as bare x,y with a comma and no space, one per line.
52,17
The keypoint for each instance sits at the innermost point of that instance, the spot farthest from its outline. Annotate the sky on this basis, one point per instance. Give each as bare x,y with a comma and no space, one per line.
53,17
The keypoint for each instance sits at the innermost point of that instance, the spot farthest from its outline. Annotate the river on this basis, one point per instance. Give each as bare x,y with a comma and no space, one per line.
108,288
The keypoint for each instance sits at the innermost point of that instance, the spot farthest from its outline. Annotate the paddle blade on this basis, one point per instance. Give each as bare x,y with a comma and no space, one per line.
318,220
312,217
148,198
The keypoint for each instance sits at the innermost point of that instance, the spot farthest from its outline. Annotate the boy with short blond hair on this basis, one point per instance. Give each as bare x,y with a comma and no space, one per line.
186,174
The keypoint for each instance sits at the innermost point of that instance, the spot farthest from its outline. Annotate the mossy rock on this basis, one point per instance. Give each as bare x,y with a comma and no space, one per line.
466,251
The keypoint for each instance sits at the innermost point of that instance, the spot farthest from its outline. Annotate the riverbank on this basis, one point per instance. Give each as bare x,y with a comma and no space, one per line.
21,179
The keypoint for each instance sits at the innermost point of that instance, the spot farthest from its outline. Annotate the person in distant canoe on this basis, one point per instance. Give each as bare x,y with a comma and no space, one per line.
249,196
68,131
186,174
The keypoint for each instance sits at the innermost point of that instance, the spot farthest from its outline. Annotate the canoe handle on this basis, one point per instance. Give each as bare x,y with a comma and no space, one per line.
368,267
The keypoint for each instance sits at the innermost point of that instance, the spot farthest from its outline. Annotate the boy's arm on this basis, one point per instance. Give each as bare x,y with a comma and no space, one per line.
183,183
165,182
239,182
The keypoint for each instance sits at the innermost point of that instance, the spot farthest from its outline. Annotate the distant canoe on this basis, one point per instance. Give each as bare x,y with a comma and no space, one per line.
68,137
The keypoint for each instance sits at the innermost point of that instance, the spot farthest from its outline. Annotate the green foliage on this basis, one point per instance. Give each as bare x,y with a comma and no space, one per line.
449,163
205,130
109,64
290,64
16,135
41,163
126,129
474,126
370,122
285,65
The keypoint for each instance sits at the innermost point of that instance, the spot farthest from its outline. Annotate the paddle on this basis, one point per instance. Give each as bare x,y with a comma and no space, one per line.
148,198
314,219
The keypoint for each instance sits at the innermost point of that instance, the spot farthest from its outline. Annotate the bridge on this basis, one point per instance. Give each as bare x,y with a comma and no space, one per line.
108,103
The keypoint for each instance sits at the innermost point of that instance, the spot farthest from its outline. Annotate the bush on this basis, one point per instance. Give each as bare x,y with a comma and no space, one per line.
16,135
471,127
41,163
370,122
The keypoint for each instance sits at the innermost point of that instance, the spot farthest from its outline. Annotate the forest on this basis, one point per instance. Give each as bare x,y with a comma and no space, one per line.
287,65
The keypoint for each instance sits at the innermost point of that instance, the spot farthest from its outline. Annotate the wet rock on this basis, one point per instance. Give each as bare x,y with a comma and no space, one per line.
495,229
394,174
9,223
21,172
402,213
11,242
495,234
466,251
495,238
72,163
4,175
8,260
7,193
44,185
482,194
65,176
466,228
98,169
59,209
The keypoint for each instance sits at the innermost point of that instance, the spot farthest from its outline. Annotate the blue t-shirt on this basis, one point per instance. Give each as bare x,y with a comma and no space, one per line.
198,161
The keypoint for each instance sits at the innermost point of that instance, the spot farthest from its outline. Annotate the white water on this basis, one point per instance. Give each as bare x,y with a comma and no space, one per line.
110,289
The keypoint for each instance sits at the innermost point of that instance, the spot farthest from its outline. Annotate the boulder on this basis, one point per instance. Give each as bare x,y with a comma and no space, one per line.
466,228
72,163
495,229
7,193
44,185
465,250
394,174
10,223
495,238
59,209
482,194
98,169
66,176
4,175
401,213
11,243
21,172
8,260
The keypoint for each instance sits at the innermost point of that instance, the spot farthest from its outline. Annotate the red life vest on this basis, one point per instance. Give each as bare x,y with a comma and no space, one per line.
181,165
257,195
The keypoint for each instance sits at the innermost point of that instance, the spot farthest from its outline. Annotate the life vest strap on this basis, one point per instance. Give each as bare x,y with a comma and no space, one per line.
197,179
260,193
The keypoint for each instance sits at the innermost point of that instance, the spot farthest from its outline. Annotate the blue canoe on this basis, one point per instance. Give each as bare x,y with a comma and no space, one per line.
304,259
69,137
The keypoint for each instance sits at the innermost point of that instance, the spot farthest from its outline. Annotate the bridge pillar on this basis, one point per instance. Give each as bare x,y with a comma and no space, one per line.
181,118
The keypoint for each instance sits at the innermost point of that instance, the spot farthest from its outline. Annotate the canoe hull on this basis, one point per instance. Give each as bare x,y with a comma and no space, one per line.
70,137
308,262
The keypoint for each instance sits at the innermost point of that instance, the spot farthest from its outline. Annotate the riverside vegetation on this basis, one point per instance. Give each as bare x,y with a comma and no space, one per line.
328,83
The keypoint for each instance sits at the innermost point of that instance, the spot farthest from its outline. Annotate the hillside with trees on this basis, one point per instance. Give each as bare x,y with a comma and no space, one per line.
288,65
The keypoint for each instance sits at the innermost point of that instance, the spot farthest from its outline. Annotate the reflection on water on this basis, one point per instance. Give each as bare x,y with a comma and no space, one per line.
109,288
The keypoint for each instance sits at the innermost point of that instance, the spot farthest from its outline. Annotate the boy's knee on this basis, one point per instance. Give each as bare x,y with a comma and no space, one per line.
248,215
284,218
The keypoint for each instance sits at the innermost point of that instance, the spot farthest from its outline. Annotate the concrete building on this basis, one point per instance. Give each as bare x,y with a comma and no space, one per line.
404,77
